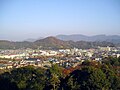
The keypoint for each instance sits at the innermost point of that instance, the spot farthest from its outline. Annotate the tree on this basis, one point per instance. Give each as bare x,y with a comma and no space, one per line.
111,76
26,78
97,79
55,75
38,80
112,61
5,82
72,84
54,81
87,78
55,69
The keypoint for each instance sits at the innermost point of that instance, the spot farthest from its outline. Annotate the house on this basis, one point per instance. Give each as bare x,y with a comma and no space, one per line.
3,66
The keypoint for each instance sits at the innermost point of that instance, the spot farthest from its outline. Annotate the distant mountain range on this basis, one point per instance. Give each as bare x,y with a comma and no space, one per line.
78,37
54,43
33,40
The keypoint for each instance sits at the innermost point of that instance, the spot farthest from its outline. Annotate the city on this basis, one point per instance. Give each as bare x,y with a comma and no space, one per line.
59,44
64,57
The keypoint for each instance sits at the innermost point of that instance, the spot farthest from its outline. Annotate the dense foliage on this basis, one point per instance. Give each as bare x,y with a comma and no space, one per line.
88,76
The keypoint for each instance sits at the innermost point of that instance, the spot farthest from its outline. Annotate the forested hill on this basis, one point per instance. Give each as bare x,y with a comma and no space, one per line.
52,43
16,45
90,75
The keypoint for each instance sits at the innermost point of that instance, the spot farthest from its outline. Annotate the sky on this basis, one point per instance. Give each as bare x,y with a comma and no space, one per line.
23,19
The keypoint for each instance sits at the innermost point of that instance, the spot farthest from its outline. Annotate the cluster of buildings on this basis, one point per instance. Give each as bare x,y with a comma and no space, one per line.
44,58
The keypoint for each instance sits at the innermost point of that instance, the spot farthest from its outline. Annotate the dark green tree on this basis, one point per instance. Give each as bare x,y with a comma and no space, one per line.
88,78
27,78
55,75
112,77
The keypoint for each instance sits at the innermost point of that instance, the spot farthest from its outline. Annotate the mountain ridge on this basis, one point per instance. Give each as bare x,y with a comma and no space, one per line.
52,43
80,37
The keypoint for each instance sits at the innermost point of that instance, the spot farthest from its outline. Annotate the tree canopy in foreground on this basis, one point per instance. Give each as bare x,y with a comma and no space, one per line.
104,76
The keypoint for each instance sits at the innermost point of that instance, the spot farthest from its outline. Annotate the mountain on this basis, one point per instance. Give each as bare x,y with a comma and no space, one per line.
74,37
87,45
4,44
30,40
79,37
53,43
33,40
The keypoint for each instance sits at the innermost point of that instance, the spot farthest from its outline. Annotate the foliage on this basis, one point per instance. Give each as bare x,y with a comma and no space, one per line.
88,76
55,74
112,61
26,78
55,69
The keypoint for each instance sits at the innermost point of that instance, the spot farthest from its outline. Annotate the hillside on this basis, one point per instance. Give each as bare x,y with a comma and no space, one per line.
78,37
16,45
53,43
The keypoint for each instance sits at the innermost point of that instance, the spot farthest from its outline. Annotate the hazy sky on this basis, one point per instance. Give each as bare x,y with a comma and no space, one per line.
22,19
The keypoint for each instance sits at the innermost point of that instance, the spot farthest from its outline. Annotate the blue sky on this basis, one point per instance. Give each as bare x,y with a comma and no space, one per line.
22,19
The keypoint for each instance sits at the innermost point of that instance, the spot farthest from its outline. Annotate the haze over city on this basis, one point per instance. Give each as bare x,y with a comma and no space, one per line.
23,19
